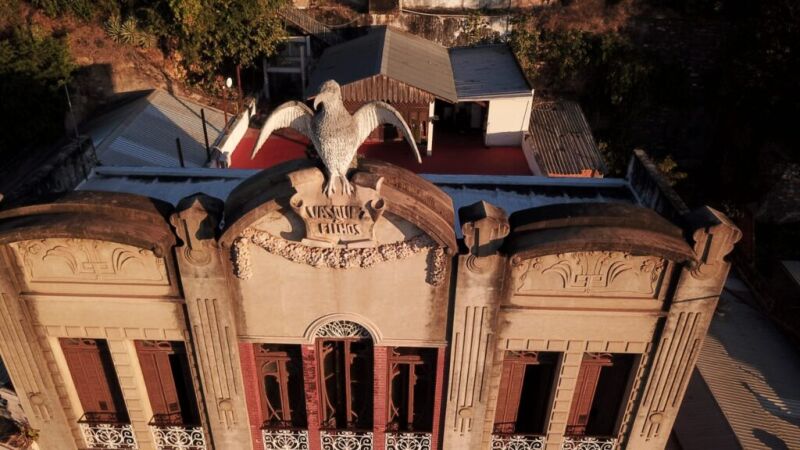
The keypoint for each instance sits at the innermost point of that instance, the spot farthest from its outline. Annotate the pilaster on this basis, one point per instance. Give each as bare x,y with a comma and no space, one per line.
478,294
686,325
381,388
312,395
24,359
211,318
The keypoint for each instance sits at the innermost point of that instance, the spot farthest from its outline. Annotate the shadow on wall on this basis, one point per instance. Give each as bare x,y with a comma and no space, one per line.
770,440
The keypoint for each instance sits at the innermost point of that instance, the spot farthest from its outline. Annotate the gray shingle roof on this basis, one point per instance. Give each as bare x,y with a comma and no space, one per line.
401,56
487,71
562,141
142,131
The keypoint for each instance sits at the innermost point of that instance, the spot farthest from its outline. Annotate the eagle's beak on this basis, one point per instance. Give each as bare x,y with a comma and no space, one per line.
317,100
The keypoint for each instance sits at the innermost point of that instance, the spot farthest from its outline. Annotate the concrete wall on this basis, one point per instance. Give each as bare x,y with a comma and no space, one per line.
508,119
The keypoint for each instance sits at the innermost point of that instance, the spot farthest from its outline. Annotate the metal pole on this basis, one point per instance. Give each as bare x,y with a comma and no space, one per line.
239,87
180,151
225,107
205,134
71,113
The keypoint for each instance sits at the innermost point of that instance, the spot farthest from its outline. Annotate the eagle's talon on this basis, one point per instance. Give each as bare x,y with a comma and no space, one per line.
347,188
330,187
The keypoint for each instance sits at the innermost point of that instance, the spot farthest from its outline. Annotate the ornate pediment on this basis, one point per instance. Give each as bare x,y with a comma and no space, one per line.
605,274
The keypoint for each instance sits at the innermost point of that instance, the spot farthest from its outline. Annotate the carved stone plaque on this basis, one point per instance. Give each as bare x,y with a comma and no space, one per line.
339,219
591,273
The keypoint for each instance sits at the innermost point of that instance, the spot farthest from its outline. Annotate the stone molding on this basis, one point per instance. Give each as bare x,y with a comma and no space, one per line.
337,258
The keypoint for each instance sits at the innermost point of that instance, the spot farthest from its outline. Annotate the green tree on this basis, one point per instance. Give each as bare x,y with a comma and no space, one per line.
211,33
33,69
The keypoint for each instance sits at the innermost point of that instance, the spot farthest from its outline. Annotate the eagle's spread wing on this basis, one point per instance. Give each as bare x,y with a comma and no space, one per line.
373,114
294,115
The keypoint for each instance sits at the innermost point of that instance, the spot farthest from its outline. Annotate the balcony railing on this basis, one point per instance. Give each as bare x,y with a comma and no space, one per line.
589,443
510,441
106,431
170,433
408,441
284,438
346,440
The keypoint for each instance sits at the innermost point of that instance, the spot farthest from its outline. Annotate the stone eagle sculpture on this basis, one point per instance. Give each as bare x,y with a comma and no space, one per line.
334,132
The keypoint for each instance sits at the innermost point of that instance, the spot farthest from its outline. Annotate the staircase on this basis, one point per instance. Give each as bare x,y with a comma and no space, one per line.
310,25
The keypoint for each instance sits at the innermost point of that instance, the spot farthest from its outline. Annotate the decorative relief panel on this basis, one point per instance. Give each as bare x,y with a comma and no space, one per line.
88,261
338,257
613,274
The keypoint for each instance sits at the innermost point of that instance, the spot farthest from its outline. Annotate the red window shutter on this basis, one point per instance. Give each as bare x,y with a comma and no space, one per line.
158,377
582,400
509,396
92,372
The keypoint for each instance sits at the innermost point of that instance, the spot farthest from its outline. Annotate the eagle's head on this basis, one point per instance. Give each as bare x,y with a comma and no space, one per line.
329,91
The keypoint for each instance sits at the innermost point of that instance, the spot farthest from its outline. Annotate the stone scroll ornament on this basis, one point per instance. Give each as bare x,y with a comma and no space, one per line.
335,133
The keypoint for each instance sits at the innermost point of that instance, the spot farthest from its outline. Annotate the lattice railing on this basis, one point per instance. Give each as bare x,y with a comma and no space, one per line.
589,443
108,435
285,439
517,442
179,437
346,440
408,441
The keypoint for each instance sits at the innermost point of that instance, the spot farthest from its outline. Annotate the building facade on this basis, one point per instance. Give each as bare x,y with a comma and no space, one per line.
284,319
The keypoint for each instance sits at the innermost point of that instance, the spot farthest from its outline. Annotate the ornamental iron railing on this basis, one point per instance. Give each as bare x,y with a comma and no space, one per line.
589,443
178,438
408,441
106,431
502,441
346,440
284,438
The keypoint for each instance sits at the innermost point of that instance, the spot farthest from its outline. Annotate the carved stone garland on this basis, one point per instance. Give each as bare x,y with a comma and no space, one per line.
337,258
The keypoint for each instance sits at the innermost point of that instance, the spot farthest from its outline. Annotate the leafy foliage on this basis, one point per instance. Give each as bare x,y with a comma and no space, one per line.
127,32
210,33
475,30
605,70
84,9
33,69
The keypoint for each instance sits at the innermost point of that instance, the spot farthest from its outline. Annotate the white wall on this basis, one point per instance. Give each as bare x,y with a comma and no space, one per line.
508,118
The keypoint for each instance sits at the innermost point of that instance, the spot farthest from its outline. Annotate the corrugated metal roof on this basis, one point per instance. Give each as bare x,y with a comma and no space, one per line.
562,141
487,71
142,132
396,54
166,184
753,373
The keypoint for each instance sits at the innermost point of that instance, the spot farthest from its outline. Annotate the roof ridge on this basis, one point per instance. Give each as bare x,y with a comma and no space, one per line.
384,68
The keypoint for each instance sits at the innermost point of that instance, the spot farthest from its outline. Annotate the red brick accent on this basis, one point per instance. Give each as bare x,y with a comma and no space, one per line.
312,396
251,391
437,398
379,398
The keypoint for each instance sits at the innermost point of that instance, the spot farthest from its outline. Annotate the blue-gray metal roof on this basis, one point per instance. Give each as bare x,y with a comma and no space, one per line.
142,132
401,56
487,71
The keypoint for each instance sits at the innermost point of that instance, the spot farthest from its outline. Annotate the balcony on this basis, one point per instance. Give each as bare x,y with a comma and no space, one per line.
589,443
170,433
346,440
106,431
510,441
284,438
408,441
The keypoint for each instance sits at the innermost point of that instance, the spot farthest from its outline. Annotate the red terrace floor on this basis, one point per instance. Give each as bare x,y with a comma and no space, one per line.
452,154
